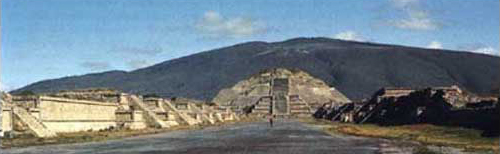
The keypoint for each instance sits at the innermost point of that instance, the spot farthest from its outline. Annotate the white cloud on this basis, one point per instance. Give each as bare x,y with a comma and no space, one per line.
350,35
479,48
435,45
96,65
214,24
135,64
413,23
486,50
416,18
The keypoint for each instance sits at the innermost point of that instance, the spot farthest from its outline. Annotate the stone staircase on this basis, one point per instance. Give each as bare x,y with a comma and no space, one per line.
299,107
149,115
182,116
162,110
280,104
263,106
204,116
33,124
280,96
149,107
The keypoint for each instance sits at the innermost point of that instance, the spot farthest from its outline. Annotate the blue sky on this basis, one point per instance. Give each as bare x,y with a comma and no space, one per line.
57,38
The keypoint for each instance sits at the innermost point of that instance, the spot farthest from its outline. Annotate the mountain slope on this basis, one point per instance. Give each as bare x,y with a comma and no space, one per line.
356,69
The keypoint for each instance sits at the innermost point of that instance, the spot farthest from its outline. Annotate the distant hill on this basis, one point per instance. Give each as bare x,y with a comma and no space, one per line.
356,69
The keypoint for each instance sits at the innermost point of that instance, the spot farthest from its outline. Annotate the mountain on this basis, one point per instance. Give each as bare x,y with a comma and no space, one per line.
356,69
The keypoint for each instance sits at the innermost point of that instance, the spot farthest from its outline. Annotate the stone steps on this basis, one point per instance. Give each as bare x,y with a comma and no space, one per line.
261,111
182,116
300,111
262,107
299,107
149,114
204,117
264,104
33,124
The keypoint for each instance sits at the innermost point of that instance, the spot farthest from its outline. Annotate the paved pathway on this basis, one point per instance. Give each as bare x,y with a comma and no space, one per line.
286,137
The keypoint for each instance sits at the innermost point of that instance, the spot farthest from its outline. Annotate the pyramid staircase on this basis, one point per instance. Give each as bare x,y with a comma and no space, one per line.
280,96
33,124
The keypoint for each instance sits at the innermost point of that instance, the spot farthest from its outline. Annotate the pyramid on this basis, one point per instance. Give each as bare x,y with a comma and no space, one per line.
280,91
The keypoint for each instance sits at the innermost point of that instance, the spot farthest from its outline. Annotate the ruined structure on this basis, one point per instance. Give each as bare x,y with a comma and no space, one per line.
91,110
435,105
279,92
414,103
452,94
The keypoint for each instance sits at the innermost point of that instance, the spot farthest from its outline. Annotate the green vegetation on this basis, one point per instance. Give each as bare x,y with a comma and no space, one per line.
27,93
469,139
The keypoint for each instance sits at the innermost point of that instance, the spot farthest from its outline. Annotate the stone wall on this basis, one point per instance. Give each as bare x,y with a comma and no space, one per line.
6,119
68,115
47,115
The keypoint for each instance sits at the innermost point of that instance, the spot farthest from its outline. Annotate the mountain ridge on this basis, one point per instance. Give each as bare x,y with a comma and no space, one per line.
342,64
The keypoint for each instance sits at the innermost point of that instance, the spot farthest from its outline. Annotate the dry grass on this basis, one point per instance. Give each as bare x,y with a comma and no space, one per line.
468,139
94,136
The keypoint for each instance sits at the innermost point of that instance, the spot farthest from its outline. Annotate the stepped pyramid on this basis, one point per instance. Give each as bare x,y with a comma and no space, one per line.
280,92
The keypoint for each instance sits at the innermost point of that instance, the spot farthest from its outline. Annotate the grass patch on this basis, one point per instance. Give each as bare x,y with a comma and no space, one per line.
468,139
95,136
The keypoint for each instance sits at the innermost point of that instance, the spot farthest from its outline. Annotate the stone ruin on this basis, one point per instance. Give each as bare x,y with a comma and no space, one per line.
94,94
452,94
448,106
280,92
91,110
